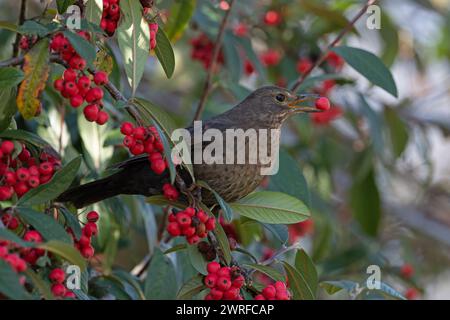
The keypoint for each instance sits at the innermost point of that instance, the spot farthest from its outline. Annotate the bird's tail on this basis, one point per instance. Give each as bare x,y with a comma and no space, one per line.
92,192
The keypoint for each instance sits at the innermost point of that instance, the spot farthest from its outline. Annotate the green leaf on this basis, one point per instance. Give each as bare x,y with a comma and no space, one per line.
191,288
83,47
323,11
226,209
72,222
280,231
370,66
133,36
180,13
9,283
42,286
224,244
46,225
197,260
62,5
66,251
57,185
290,179
160,283
36,70
25,136
306,267
164,52
94,10
398,132
8,107
10,77
32,27
298,284
9,26
271,207
366,204
269,271
332,287
178,247
161,201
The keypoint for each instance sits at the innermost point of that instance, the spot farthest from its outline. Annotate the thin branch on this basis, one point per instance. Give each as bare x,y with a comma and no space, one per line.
341,35
23,9
212,66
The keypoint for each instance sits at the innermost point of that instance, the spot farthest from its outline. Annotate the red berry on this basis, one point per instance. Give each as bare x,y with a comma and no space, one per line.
10,178
87,252
24,155
21,188
94,94
76,101
76,62
139,133
231,294
33,182
259,297
129,141
102,117
407,270
70,75
91,112
23,174
58,290
224,272
6,193
216,294
188,231
304,65
202,216
100,78
84,241
210,224
210,280
127,128
158,166
411,294
46,168
32,236
174,229
193,239
84,83
90,229
70,88
272,18
269,292
58,84
323,104
57,275
223,283
238,282
92,216
7,147
137,149
183,219
70,295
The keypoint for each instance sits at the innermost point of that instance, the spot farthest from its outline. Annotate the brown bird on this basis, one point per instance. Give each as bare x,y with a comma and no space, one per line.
265,108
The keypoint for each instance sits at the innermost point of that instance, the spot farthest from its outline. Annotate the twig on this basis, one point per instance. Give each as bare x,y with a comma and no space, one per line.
324,55
212,66
23,9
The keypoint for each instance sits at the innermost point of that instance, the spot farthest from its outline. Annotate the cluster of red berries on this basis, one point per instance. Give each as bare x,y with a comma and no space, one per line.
277,291
191,223
225,283
110,16
202,50
13,259
89,230
57,277
19,175
140,140
26,42
75,85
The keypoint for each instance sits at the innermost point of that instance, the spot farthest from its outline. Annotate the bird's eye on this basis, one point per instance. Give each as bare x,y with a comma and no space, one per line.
280,97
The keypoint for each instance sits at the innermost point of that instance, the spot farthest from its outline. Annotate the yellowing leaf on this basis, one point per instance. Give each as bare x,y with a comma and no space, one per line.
36,69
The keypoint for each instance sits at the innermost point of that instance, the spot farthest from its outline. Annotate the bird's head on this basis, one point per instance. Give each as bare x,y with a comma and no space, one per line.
276,104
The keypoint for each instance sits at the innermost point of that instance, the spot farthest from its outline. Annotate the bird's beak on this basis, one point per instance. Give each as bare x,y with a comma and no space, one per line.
302,103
